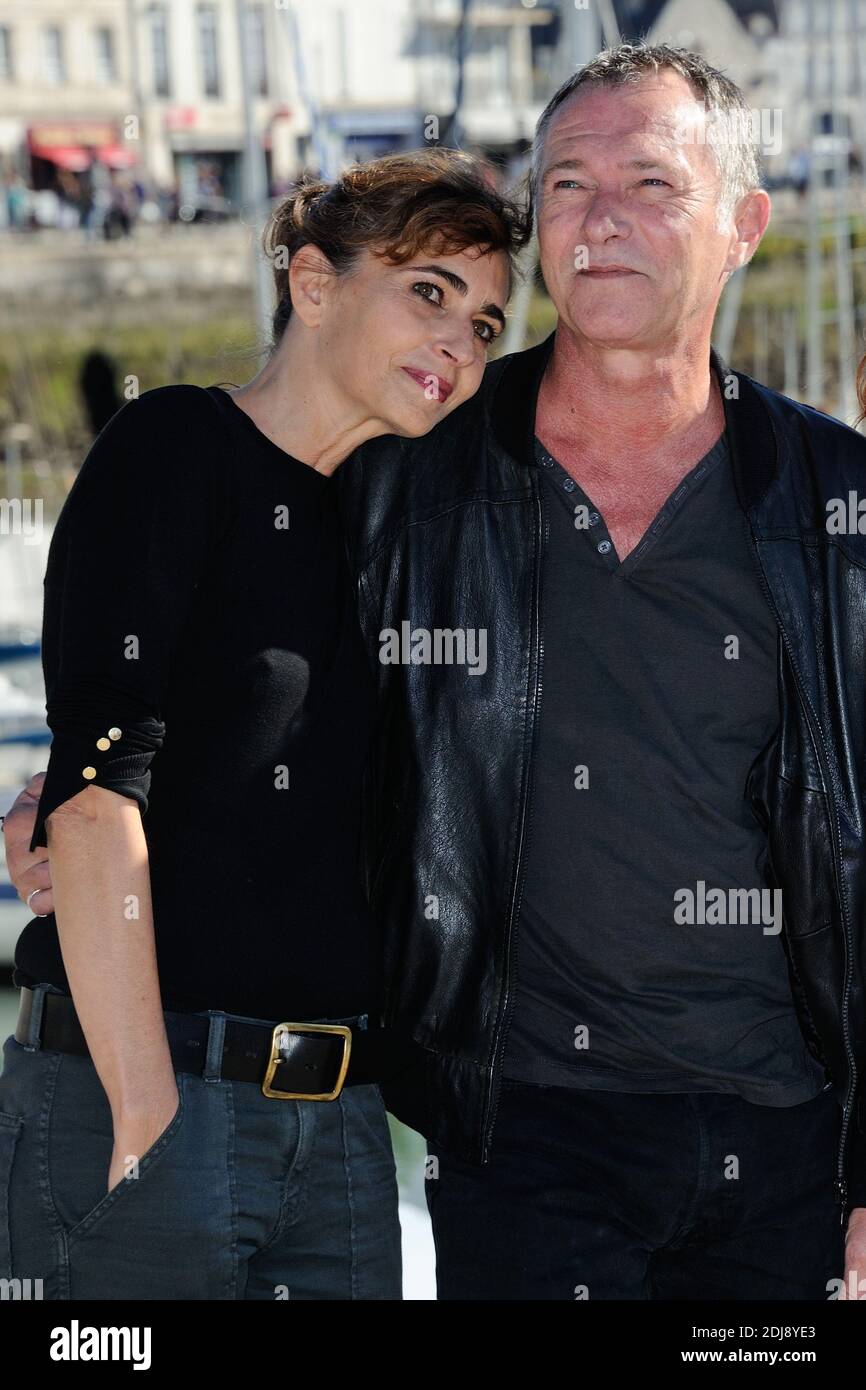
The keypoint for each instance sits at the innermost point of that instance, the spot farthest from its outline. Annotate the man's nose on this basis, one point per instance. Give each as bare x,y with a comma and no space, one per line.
605,217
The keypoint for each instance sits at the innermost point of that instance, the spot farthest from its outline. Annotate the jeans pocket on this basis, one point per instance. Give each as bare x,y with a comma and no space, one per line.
10,1129
82,1159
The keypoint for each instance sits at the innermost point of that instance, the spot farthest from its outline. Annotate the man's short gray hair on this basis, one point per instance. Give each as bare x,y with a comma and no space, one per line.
729,127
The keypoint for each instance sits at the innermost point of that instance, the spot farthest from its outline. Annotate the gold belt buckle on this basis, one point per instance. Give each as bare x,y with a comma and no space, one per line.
338,1028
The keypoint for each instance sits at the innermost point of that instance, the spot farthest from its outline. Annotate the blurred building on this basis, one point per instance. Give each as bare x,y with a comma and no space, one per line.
797,61
508,72
820,65
687,22
385,75
730,34
149,85
63,87
187,71
155,86
736,36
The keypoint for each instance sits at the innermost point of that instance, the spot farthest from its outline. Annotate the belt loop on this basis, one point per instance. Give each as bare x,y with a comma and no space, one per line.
34,1022
215,1039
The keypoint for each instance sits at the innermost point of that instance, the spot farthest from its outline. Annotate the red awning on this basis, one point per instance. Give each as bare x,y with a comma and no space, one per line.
74,157
116,156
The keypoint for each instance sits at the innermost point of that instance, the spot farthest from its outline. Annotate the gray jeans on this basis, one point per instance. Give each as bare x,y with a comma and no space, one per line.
242,1196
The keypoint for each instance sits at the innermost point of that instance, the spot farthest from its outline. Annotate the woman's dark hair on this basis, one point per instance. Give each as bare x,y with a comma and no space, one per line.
438,200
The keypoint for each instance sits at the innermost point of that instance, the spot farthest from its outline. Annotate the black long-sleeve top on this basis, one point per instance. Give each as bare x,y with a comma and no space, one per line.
202,655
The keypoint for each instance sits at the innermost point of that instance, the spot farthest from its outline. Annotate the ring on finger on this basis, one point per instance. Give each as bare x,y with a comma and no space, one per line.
32,909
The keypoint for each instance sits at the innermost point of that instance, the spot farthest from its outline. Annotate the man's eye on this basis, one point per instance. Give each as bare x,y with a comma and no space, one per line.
653,179
570,183
423,285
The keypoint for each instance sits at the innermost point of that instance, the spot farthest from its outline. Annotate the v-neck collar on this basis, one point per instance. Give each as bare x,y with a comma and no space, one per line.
751,437
572,493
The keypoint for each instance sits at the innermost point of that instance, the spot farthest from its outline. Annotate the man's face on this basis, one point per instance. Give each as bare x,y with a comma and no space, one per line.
627,181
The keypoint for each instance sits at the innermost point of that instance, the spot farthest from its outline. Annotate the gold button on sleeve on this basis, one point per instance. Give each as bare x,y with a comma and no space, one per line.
88,772
102,744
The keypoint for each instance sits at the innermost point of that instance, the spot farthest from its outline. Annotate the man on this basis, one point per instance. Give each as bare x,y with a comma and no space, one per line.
629,1094
633,1084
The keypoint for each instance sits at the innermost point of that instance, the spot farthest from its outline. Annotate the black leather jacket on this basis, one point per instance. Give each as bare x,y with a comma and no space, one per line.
448,534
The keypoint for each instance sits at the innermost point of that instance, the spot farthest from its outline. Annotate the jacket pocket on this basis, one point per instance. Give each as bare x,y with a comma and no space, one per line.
10,1129
98,1156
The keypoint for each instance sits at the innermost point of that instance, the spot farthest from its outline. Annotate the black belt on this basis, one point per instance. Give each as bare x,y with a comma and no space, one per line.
290,1061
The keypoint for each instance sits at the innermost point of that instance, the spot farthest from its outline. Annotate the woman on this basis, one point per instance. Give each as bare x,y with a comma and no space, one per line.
204,664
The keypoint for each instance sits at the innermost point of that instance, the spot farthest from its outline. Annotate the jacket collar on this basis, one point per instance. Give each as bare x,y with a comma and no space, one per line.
512,412
751,437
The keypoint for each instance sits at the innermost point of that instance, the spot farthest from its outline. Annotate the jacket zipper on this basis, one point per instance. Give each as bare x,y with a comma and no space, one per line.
841,1186
541,532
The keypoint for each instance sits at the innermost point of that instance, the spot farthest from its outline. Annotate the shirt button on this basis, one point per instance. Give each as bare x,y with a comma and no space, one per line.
593,518
569,485
115,734
102,744
88,772
603,547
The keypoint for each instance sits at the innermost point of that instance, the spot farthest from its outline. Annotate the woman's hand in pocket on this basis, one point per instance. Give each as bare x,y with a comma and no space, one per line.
137,1131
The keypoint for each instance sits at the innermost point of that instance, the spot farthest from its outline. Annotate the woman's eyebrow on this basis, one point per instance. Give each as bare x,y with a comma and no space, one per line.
493,311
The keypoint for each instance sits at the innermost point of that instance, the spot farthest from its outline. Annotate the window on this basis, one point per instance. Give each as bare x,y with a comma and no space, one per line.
7,67
106,69
258,62
53,65
208,42
159,52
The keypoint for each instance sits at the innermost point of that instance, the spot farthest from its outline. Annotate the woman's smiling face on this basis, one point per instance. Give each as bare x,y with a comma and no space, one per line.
410,342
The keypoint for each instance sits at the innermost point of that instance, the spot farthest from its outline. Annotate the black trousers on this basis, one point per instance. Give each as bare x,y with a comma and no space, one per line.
605,1195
